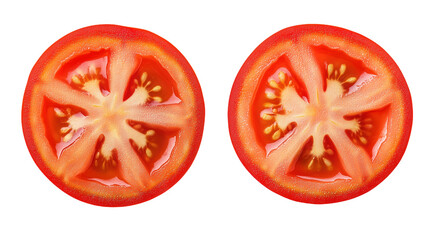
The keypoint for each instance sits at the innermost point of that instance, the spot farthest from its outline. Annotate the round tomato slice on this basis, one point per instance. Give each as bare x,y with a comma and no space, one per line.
112,115
319,114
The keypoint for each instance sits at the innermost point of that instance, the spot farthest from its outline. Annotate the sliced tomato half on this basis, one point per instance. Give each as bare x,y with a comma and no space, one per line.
113,115
319,114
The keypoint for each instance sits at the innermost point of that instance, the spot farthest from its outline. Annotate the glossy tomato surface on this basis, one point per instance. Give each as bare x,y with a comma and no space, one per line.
319,114
112,115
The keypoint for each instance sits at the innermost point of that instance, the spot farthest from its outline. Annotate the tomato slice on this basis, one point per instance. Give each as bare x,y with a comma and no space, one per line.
113,115
319,114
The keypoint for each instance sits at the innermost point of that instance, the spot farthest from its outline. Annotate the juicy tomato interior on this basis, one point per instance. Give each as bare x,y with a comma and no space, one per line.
328,112
84,67
325,169
160,84
58,130
275,118
115,119
149,85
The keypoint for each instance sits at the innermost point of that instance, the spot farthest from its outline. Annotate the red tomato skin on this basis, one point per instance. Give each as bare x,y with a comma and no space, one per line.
127,33
294,33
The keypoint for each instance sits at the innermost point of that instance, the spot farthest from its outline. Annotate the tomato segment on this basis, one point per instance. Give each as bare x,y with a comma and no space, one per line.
87,69
113,115
64,124
324,168
330,111
158,83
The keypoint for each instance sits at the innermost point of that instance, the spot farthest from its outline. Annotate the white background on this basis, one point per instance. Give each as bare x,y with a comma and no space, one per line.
217,198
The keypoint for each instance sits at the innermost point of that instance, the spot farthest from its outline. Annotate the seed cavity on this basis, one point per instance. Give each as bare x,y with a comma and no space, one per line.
319,163
316,163
281,120
103,162
360,134
72,121
143,92
89,81
141,139
338,76
106,155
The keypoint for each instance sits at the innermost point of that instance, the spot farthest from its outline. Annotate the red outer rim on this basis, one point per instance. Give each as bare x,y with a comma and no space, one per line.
294,33
114,31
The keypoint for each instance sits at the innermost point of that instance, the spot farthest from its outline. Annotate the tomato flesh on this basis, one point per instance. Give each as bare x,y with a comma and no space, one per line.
330,111
58,132
325,169
113,115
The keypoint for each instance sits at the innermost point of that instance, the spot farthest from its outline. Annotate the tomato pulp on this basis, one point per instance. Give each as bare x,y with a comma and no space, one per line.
112,115
319,114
